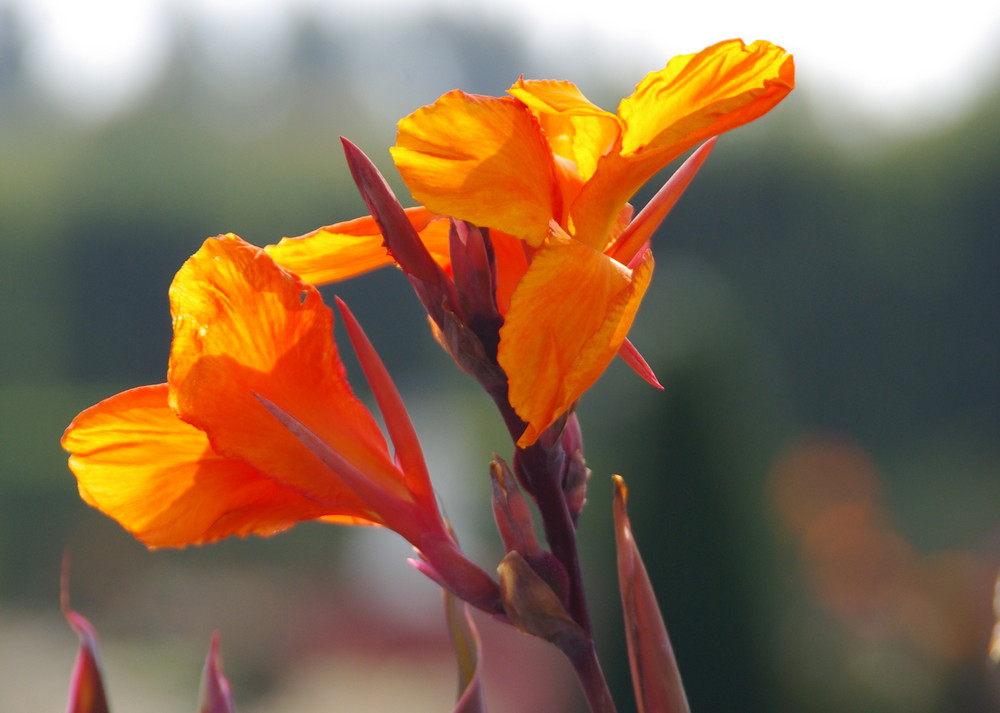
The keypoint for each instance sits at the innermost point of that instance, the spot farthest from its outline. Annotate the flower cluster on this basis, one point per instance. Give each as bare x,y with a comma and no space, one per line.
531,263
551,174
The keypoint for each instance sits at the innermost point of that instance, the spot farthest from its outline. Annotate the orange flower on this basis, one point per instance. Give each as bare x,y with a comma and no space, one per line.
547,168
200,458
257,428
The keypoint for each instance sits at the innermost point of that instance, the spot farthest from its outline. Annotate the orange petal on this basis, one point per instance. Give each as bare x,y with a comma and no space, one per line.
567,320
511,262
245,327
698,96
694,98
480,159
137,462
575,128
344,250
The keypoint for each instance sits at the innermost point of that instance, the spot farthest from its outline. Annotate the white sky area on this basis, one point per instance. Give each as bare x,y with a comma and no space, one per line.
882,59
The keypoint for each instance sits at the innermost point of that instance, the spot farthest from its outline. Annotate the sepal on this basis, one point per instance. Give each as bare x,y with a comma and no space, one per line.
631,356
535,608
466,347
430,282
442,561
635,239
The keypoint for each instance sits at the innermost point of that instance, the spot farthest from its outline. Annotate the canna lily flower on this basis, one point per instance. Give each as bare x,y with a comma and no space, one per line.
257,428
551,175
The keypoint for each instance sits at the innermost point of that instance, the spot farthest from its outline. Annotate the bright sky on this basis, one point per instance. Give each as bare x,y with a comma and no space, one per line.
885,58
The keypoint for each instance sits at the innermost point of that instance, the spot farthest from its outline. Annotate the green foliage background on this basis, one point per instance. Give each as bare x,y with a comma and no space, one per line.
800,285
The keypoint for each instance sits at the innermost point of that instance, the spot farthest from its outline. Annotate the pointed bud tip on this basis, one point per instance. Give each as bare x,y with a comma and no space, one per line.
655,676
216,693
640,230
621,490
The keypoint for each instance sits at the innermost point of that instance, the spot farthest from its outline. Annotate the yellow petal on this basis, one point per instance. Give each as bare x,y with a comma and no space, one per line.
137,462
348,249
568,318
575,128
243,326
480,159
694,98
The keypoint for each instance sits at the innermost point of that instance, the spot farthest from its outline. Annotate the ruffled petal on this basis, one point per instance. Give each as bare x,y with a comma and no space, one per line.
480,159
138,463
576,129
694,98
568,318
244,327
698,96
348,249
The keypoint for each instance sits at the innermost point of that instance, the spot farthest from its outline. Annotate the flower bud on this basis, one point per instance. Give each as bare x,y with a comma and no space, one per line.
576,472
511,512
534,608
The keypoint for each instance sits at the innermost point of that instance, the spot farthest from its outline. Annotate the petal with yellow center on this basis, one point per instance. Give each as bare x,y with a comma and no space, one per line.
344,250
138,463
694,98
244,327
568,318
576,129
480,159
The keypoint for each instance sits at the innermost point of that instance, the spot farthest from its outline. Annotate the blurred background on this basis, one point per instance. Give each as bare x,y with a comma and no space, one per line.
815,492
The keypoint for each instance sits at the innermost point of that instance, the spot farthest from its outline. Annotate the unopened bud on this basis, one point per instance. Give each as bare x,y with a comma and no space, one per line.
575,484
511,512
576,473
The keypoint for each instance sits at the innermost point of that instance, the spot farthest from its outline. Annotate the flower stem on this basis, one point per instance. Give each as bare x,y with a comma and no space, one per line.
539,468
592,681
543,480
